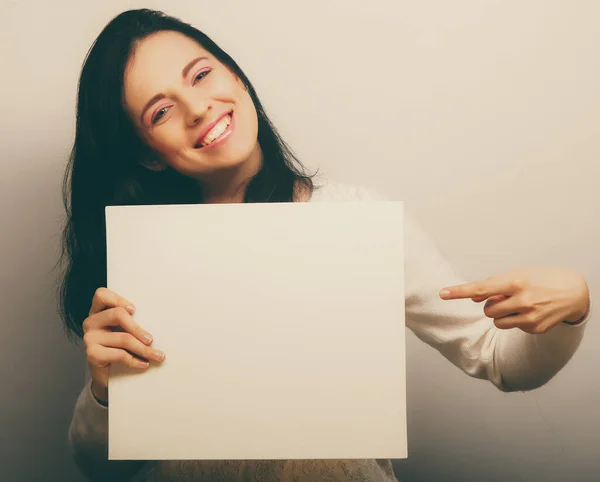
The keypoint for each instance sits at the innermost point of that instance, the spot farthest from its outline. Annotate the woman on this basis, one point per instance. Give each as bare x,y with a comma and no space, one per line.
165,116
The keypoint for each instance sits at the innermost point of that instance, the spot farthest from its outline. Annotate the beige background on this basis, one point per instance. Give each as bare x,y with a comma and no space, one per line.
482,115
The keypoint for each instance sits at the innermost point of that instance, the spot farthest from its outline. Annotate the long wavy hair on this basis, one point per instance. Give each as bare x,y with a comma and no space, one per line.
105,166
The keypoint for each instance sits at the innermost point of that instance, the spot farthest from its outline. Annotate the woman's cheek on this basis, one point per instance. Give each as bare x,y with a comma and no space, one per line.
168,140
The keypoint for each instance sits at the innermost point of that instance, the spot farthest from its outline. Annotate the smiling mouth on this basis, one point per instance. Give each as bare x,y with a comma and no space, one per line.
216,133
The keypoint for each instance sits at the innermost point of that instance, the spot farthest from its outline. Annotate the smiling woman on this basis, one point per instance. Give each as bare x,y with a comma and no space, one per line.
165,116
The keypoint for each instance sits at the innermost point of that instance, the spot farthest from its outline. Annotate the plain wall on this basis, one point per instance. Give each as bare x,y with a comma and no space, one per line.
483,116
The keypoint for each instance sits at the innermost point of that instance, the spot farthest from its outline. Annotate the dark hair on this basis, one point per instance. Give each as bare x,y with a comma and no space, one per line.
105,167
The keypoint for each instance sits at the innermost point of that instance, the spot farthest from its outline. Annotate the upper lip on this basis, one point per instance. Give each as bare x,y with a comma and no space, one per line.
208,127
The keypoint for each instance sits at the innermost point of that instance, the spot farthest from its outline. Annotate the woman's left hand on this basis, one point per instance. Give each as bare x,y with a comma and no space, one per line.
532,299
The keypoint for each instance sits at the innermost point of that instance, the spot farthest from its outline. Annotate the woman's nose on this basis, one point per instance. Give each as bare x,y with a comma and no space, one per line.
195,110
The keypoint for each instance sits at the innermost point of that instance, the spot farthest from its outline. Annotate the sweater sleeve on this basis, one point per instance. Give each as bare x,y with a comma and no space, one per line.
511,359
88,441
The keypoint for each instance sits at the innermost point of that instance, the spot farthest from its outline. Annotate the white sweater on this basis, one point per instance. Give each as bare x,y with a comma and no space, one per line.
510,359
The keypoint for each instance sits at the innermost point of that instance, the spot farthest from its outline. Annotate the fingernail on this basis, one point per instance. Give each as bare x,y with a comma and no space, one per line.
444,294
143,364
130,309
158,355
147,338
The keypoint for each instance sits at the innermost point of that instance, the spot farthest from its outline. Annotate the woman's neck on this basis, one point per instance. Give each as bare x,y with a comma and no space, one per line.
229,186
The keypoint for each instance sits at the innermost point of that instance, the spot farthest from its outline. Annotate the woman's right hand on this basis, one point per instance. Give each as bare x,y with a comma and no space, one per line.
112,336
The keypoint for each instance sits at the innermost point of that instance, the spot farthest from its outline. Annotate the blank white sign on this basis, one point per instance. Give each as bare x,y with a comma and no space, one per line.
283,326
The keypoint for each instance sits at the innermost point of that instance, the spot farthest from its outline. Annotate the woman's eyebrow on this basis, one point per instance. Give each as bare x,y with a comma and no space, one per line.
188,67
158,97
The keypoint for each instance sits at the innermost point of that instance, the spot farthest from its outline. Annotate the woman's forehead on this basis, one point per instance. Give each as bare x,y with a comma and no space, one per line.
165,47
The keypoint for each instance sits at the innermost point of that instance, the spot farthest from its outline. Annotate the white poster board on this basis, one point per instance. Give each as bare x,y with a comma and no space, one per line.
283,326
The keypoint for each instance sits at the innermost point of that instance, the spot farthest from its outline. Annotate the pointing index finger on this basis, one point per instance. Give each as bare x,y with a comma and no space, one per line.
481,289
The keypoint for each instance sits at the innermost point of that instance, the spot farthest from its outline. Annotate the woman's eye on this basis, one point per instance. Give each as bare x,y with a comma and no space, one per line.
159,115
200,76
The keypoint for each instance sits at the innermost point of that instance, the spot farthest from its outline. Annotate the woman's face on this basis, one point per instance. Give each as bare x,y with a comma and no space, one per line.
189,107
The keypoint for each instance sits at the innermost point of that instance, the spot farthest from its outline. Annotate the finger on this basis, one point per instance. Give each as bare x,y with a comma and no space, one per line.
482,289
527,322
523,324
105,298
495,308
102,356
491,298
128,342
117,318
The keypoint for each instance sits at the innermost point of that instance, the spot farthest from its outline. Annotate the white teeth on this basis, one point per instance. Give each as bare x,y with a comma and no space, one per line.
217,130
